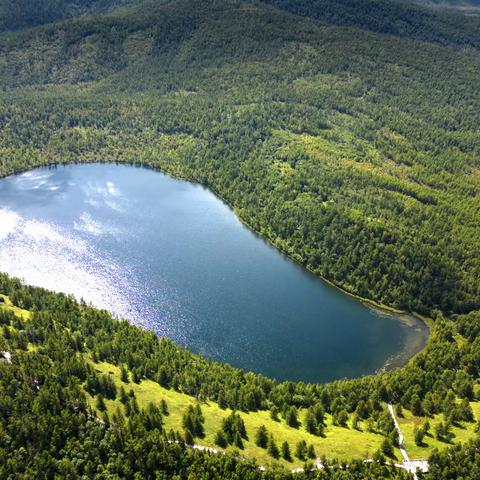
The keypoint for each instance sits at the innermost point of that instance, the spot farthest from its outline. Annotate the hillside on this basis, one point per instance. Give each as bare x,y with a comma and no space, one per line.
394,17
18,14
72,378
315,134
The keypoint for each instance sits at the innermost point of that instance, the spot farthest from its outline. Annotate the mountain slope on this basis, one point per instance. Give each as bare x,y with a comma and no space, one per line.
18,14
395,17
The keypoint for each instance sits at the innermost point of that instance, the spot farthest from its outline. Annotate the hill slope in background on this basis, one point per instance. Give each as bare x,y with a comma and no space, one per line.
17,14
394,17
355,152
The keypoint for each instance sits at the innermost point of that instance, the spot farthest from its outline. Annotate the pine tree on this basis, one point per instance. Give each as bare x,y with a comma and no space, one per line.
341,418
310,422
291,417
100,404
416,406
311,452
274,414
319,413
387,447
238,440
355,421
272,448
124,374
189,440
286,452
221,440
301,450
261,437
123,395
419,434
135,376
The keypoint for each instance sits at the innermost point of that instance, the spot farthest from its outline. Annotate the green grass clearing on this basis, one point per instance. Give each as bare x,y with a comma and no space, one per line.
341,443
408,423
8,305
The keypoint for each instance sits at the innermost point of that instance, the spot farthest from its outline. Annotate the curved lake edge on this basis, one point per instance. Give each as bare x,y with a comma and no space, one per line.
411,319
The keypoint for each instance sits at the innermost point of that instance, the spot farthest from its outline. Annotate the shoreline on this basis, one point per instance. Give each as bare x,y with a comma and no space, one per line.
397,361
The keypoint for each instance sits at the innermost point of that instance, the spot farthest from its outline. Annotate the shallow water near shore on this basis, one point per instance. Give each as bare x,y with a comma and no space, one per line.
170,256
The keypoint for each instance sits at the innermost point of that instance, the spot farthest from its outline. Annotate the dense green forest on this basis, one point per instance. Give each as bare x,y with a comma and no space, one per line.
316,135
345,132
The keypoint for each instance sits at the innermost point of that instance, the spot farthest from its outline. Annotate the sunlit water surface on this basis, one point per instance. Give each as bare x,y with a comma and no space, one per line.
170,256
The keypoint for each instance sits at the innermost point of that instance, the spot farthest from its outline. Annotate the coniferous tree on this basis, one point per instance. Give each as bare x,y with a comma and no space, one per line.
291,417
301,450
261,437
220,439
100,403
124,374
286,452
311,452
272,448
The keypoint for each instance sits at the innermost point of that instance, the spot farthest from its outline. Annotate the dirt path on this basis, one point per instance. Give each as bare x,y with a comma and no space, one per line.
410,465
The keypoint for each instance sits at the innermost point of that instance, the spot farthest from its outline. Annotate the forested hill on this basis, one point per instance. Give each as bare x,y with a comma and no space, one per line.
357,153
17,14
395,17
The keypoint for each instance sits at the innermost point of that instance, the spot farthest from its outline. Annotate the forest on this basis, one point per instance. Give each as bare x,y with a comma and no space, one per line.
347,133
309,132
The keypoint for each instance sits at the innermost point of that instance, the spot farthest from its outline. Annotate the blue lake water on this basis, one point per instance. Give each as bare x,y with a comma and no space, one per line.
170,256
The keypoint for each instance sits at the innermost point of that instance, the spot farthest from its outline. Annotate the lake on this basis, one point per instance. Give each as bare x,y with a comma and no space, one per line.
170,256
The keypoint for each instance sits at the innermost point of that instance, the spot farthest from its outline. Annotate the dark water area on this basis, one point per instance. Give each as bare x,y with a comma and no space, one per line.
170,256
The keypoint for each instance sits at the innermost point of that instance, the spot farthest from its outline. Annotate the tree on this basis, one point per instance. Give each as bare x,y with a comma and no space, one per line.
100,404
232,426
274,413
301,450
188,436
355,425
291,417
341,418
378,457
387,447
124,374
164,407
286,452
135,376
221,440
419,435
311,452
272,448
123,395
162,377
416,406
426,427
319,413
261,437
238,440
443,432
310,422
193,420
